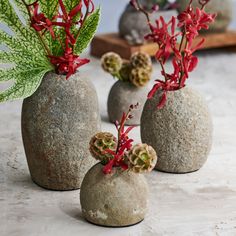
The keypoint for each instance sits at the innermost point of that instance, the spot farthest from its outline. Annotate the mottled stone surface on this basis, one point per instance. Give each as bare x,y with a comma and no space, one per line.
58,121
202,203
133,24
181,132
118,199
121,96
223,9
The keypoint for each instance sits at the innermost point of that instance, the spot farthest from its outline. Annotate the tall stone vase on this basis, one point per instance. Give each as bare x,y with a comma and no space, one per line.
57,123
180,133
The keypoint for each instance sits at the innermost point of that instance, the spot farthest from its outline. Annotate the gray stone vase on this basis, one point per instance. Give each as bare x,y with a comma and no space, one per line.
115,200
181,132
133,24
58,121
121,96
224,10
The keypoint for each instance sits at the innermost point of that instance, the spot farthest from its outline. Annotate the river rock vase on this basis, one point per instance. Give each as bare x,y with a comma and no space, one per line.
58,121
121,96
115,200
223,9
181,132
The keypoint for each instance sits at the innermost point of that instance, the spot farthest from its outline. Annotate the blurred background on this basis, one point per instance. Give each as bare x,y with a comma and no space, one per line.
112,9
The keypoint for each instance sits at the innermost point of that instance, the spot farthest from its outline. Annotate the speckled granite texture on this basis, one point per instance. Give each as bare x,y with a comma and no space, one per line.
121,96
118,199
58,121
180,132
199,204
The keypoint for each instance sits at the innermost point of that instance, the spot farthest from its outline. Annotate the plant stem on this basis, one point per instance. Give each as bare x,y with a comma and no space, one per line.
182,61
38,33
81,25
120,130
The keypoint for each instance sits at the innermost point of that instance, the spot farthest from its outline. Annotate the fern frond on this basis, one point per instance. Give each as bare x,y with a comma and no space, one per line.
26,53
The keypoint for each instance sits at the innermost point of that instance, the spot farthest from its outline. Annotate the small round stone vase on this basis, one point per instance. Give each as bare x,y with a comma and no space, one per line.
223,9
58,121
181,132
121,96
133,24
115,200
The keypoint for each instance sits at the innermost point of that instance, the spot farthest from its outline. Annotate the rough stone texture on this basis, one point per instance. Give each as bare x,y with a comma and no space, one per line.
133,23
118,199
202,203
57,124
224,10
181,132
121,96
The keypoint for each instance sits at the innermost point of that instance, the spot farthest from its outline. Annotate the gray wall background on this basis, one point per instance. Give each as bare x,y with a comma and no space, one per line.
112,9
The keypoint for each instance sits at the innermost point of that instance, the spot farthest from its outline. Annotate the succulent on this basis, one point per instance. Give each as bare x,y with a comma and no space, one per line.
142,158
111,63
100,143
125,71
141,60
139,76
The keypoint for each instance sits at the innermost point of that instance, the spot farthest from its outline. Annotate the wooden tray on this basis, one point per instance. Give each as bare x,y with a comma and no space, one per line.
112,42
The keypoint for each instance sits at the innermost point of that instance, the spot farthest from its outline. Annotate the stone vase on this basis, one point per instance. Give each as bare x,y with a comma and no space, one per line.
58,121
224,10
133,25
115,200
181,132
121,96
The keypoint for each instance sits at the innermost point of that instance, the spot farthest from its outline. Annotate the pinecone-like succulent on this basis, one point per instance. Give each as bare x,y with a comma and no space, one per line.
100,143
125,71
141,60
142,158
111,63
139,76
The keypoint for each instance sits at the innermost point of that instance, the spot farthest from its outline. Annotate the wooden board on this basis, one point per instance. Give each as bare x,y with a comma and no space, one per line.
112,42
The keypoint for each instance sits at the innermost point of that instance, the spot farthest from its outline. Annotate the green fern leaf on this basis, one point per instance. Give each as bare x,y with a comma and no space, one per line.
25,53
87,32
70,4
26,82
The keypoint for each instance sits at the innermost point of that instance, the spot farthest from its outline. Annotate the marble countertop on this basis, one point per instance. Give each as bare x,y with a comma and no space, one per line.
202,203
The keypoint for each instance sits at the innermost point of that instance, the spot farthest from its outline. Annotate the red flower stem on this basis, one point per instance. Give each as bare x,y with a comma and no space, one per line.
81,26
120,130
183,55
38,33
163,69
182,41
141,9
60,41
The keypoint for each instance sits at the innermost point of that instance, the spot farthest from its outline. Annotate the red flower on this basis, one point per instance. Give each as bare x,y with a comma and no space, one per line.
39,21
164,34
68,19
124,144
89,3
68,63
193,21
